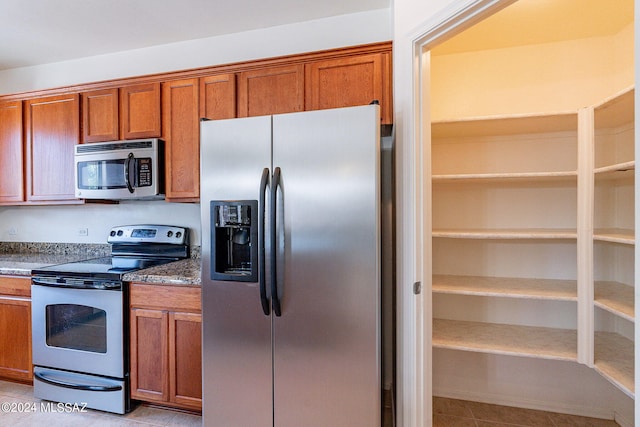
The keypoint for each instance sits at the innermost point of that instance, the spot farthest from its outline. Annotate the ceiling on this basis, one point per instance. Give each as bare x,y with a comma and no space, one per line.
37,32
542,21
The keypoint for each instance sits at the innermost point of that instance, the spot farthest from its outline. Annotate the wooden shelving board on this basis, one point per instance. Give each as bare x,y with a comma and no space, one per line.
617,110
505,125
532,233
614,360
507,176
616,298
561,290
615,235
616,171
512,340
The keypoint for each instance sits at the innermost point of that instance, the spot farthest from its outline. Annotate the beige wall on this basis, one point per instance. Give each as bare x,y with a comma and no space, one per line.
551,77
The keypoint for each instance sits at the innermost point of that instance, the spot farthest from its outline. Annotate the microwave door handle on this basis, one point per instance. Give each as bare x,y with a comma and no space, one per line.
127,177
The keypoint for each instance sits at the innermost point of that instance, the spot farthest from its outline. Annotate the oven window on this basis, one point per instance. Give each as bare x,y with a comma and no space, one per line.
77,327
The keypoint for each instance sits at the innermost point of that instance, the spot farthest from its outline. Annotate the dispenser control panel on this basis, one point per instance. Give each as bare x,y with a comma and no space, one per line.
234,240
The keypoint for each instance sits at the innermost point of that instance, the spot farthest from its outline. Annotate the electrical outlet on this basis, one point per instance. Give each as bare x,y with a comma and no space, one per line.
13,231
83,232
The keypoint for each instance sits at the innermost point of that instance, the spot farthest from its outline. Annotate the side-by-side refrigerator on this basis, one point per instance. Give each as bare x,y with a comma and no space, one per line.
291,269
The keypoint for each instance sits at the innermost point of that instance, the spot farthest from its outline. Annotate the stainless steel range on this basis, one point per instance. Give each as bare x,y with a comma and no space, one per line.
80,318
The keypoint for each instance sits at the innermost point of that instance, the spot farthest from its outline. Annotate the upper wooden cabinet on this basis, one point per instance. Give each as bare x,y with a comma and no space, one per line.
218,97
130,112
11,149
140,111
100,115
181,131
271,90
52,128
350,81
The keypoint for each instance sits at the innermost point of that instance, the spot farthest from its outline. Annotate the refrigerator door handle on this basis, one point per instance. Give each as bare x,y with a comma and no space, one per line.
275,300
264,301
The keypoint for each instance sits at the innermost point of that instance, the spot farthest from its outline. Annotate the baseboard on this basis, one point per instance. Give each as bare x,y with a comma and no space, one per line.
499,399
623,421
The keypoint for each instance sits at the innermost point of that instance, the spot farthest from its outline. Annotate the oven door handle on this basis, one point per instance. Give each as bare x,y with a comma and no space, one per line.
84,387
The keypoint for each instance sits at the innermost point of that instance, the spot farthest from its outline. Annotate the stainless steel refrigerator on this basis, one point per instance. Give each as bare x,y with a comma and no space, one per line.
291,269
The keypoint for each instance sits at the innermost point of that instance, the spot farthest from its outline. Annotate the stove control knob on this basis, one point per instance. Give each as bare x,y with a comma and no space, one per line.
113,233
179,234
120,233
169,233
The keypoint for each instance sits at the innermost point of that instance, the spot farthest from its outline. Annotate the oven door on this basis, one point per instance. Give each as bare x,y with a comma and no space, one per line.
78,329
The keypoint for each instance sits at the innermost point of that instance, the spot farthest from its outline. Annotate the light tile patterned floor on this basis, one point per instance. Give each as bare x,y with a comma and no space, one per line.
26,411
461,413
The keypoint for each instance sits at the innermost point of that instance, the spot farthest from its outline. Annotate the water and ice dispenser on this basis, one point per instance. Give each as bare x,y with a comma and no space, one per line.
234,240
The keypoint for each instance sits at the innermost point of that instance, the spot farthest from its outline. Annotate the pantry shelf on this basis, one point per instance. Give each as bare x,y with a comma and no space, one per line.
510,287
498,177
615,235
512,340
534,233
614,360
616,298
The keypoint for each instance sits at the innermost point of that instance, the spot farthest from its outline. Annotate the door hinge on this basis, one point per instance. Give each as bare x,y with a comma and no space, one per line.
417,287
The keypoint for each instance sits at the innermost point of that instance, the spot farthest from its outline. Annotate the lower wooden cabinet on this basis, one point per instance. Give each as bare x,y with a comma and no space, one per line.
166,349
15,328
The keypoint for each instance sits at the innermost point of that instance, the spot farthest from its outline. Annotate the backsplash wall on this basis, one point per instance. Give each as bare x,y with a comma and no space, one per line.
68,223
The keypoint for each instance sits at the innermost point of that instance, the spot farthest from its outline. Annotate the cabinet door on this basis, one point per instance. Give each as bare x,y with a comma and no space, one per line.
185,359
52,129
218,97
100,115
11,149
15,338
181,130
140,111
350,81
149,355
271,91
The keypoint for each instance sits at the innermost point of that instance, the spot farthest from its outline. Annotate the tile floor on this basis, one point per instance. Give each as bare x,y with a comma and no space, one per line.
460,413
15,396
446,413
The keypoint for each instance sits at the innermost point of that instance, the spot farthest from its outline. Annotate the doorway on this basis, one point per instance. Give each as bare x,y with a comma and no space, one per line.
444,108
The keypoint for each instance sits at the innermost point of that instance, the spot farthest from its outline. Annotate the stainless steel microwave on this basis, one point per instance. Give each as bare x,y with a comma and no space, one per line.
120,170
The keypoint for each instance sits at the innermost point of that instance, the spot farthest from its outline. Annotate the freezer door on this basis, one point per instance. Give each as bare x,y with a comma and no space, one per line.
236,334
327,339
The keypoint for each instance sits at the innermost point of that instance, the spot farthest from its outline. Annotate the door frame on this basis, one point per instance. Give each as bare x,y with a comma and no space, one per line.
414,205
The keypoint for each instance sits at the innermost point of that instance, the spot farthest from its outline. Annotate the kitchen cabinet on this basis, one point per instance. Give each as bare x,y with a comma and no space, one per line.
614,239
52,128
181,131
166,349
15,328
100,115
140,111
350,81
11,152
130,112
218,96
271,90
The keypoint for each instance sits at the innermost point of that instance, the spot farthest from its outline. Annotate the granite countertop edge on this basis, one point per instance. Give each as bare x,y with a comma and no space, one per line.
19,259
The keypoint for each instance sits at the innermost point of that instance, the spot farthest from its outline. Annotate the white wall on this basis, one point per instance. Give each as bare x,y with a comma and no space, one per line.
345,30
61,223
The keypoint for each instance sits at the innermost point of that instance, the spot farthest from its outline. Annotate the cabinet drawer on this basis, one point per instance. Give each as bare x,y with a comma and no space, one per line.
165,297
16,286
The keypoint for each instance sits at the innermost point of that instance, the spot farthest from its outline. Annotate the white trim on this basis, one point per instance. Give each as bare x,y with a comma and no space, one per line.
414,208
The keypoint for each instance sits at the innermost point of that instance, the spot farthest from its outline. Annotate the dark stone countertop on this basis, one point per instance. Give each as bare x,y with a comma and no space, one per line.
18,259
